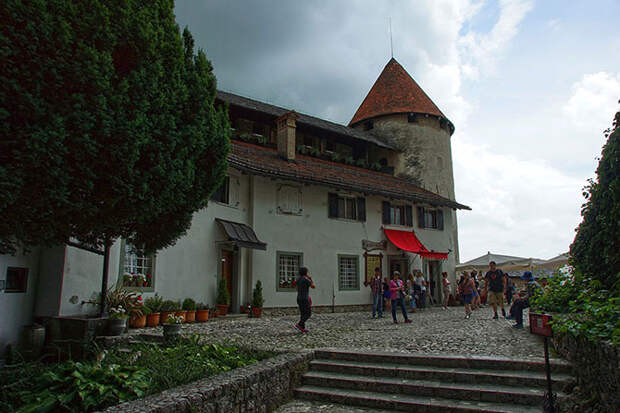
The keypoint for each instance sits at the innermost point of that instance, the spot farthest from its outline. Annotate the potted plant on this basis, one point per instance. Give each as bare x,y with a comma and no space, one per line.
202,312
223,298
172,327
154,307
167,307
117,322
137,318
140,280
189,306
179,312
257,300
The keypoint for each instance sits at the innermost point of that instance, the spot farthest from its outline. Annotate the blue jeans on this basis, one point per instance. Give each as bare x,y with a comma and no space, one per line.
399,302
377,304
412,302
517,310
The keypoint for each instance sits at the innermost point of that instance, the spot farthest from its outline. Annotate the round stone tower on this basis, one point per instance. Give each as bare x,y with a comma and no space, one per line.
398,111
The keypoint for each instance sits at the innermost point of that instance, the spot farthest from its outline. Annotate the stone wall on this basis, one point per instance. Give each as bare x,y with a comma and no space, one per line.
596,367
280,311
259,387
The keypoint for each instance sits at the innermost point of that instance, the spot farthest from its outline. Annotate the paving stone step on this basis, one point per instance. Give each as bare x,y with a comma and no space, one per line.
454,361
405,402
461,391
444,374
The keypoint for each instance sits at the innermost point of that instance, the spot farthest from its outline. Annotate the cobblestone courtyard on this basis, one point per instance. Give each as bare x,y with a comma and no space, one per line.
433,330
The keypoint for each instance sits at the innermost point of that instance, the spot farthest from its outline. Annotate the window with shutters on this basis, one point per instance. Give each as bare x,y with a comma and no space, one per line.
397,214
430,218
222,193
348,272
346,207
289,200
288,264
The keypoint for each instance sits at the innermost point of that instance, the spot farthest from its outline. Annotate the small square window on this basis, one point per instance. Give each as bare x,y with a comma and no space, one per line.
288,269
411,118
16,280
289,200
222,194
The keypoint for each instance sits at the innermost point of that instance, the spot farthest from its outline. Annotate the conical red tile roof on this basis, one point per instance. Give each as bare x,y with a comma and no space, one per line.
394,92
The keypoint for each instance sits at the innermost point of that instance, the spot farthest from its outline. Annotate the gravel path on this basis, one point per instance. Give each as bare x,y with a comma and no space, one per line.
433,330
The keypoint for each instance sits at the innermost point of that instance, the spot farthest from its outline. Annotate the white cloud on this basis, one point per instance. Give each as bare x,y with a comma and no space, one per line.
519,207
594,100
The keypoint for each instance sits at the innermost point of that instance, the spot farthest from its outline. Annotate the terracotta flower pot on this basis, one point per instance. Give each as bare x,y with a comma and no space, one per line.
164,316
202,316
181,314
257,312
222,309
190,317
152,320
137,321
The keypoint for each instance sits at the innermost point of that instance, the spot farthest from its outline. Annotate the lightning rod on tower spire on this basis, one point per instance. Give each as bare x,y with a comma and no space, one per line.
391,44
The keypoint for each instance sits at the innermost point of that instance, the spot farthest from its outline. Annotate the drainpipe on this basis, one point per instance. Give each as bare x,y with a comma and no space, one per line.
250,251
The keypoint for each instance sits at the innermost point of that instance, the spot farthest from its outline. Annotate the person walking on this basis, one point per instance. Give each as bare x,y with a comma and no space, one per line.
475,304
421,282
494,288
445,285
304,283
468,293
397,288
410,289
376,287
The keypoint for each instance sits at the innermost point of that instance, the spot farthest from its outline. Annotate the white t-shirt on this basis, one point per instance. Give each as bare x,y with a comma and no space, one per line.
419,281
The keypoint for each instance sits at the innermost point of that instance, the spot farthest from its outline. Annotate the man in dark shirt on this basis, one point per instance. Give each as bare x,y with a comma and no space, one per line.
304,283
376,287
496,283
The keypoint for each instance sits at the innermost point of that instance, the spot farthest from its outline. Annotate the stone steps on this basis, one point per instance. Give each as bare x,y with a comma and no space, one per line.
452,361
407,403
444,374
414,382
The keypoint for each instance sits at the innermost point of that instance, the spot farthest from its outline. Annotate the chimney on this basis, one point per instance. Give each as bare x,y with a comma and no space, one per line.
285,133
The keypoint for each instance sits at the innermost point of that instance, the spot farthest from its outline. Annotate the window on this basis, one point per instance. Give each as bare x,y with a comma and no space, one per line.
288,264
346,207
222,193
348,272
137,269
289,200
411,117
16,280
397,214
430,218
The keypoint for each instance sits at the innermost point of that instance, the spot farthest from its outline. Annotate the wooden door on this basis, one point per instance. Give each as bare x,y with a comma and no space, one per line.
227,270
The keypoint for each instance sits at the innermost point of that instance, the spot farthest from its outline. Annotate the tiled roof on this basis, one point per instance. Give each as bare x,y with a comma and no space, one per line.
266,161
276,111
395,92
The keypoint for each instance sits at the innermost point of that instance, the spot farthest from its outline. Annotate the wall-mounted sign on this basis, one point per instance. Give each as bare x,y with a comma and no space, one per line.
372,261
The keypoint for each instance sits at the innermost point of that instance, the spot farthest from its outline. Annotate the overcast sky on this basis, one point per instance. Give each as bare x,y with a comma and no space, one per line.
530,86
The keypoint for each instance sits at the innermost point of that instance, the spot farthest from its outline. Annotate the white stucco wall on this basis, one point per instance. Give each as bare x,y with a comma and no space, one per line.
191,267
16,309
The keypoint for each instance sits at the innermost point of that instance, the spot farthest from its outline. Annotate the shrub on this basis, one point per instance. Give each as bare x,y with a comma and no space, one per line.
170,305
154,303
361,163
335,157
257,299
189,305
223,298
202,306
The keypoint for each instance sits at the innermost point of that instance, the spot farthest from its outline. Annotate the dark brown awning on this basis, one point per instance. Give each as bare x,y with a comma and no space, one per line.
241,234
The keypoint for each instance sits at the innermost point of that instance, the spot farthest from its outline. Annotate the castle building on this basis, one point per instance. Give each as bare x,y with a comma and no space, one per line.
300,191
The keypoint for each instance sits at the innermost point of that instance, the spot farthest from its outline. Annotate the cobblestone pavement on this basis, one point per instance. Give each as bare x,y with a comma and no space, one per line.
434,331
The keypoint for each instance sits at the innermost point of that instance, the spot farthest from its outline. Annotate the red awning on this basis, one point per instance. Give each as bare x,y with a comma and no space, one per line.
407,241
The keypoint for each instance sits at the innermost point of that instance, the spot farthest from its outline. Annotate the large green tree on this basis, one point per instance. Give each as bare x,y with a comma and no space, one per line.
596,248
107,124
